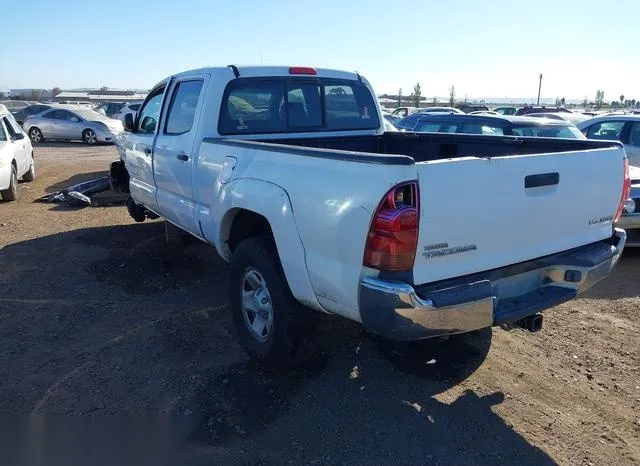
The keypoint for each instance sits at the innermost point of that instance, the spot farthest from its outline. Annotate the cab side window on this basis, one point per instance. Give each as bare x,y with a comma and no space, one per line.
182,110
150,113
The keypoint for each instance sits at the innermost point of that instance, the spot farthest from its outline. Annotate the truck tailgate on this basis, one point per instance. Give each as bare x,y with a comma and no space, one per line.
477,214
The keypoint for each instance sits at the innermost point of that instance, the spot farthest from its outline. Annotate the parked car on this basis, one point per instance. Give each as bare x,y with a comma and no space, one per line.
526,110
16,156
439,110
110,109
289,173
574,118
506,110
623,128
496,126
630,219
129,107
15,105
484,112
25,112
391,119
72,123
468,108
404,111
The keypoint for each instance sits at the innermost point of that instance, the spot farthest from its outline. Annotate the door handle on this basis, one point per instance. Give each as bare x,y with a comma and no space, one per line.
182,156
541,179
147,150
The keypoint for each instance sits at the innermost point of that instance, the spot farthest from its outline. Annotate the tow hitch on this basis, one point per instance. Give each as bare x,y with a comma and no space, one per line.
531,323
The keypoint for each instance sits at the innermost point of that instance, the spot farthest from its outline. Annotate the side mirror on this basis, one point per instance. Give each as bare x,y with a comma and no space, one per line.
17,137
128,122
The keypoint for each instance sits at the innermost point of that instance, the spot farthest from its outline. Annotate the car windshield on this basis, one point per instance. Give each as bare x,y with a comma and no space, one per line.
90,115
547,131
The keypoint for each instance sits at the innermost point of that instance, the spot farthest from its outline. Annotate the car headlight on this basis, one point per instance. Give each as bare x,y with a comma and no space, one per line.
629,206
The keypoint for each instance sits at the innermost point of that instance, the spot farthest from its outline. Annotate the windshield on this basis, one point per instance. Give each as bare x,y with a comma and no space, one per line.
547,131
90,115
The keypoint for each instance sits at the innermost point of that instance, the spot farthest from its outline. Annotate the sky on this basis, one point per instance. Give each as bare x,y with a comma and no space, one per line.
490,48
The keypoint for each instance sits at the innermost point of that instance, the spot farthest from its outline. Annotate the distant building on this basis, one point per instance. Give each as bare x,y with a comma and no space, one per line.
101,95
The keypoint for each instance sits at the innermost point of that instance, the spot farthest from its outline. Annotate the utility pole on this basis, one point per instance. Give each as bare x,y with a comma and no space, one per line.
539,87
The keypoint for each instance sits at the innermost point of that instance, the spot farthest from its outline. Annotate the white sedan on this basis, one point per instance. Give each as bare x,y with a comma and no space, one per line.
16,156
623,128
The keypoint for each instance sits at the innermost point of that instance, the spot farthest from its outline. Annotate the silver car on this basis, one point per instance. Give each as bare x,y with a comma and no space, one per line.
72,123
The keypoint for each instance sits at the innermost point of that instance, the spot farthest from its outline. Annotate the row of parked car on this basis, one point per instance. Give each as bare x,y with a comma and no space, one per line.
67,121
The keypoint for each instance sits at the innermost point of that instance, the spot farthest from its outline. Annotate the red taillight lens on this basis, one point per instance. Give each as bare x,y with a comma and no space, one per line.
393,236
302,70
626,189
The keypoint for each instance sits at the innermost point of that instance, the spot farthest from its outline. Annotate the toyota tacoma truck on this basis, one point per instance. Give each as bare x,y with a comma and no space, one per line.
289,173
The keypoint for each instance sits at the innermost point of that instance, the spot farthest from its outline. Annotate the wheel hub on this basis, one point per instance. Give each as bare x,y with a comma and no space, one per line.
257,307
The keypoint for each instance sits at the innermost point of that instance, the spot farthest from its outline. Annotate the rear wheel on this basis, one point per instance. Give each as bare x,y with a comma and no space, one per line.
89,137
11,193
271,325
35,135
31,174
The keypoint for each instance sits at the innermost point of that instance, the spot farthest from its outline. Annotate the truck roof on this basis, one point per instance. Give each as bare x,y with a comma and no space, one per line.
256,71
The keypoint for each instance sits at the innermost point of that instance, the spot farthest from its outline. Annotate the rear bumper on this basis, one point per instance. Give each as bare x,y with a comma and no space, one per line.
402,312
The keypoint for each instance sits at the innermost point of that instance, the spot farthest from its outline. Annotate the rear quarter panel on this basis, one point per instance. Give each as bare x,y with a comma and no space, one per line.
332,204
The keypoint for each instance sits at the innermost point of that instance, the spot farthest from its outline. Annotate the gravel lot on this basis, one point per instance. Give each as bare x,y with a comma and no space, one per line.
99,315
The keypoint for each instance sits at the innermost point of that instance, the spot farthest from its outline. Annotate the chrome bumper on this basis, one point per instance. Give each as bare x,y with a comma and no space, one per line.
403,312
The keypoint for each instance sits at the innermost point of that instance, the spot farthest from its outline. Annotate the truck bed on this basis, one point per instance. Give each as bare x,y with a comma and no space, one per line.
423,147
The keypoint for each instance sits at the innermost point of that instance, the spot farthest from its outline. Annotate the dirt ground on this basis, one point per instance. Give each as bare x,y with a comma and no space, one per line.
100,316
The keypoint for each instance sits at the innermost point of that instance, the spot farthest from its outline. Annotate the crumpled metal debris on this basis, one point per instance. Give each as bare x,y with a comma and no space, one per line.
78,194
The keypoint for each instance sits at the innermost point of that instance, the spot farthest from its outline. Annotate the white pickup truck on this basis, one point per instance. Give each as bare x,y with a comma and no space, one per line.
289,174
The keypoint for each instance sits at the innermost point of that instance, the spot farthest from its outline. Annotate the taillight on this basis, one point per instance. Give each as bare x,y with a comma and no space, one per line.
393,235
302,70
626,189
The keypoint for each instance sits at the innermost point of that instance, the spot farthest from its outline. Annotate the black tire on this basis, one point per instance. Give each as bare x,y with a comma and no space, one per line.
290,342
31,174
89,137
36,135
11,193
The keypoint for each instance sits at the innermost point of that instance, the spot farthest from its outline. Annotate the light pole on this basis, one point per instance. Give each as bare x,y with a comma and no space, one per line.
539,87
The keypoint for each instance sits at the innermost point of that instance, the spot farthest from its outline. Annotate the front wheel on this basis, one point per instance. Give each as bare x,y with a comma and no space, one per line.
35,135
11,193
271,325
89,137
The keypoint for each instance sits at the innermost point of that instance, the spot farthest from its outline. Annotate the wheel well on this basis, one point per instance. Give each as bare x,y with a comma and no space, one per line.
247,224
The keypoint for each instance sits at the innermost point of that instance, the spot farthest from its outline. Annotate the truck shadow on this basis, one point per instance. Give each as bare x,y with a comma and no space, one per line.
115,320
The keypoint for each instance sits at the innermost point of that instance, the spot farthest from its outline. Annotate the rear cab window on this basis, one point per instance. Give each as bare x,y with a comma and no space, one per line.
285,105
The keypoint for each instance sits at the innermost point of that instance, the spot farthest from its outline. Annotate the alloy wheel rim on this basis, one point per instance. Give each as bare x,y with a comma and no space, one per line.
257,307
